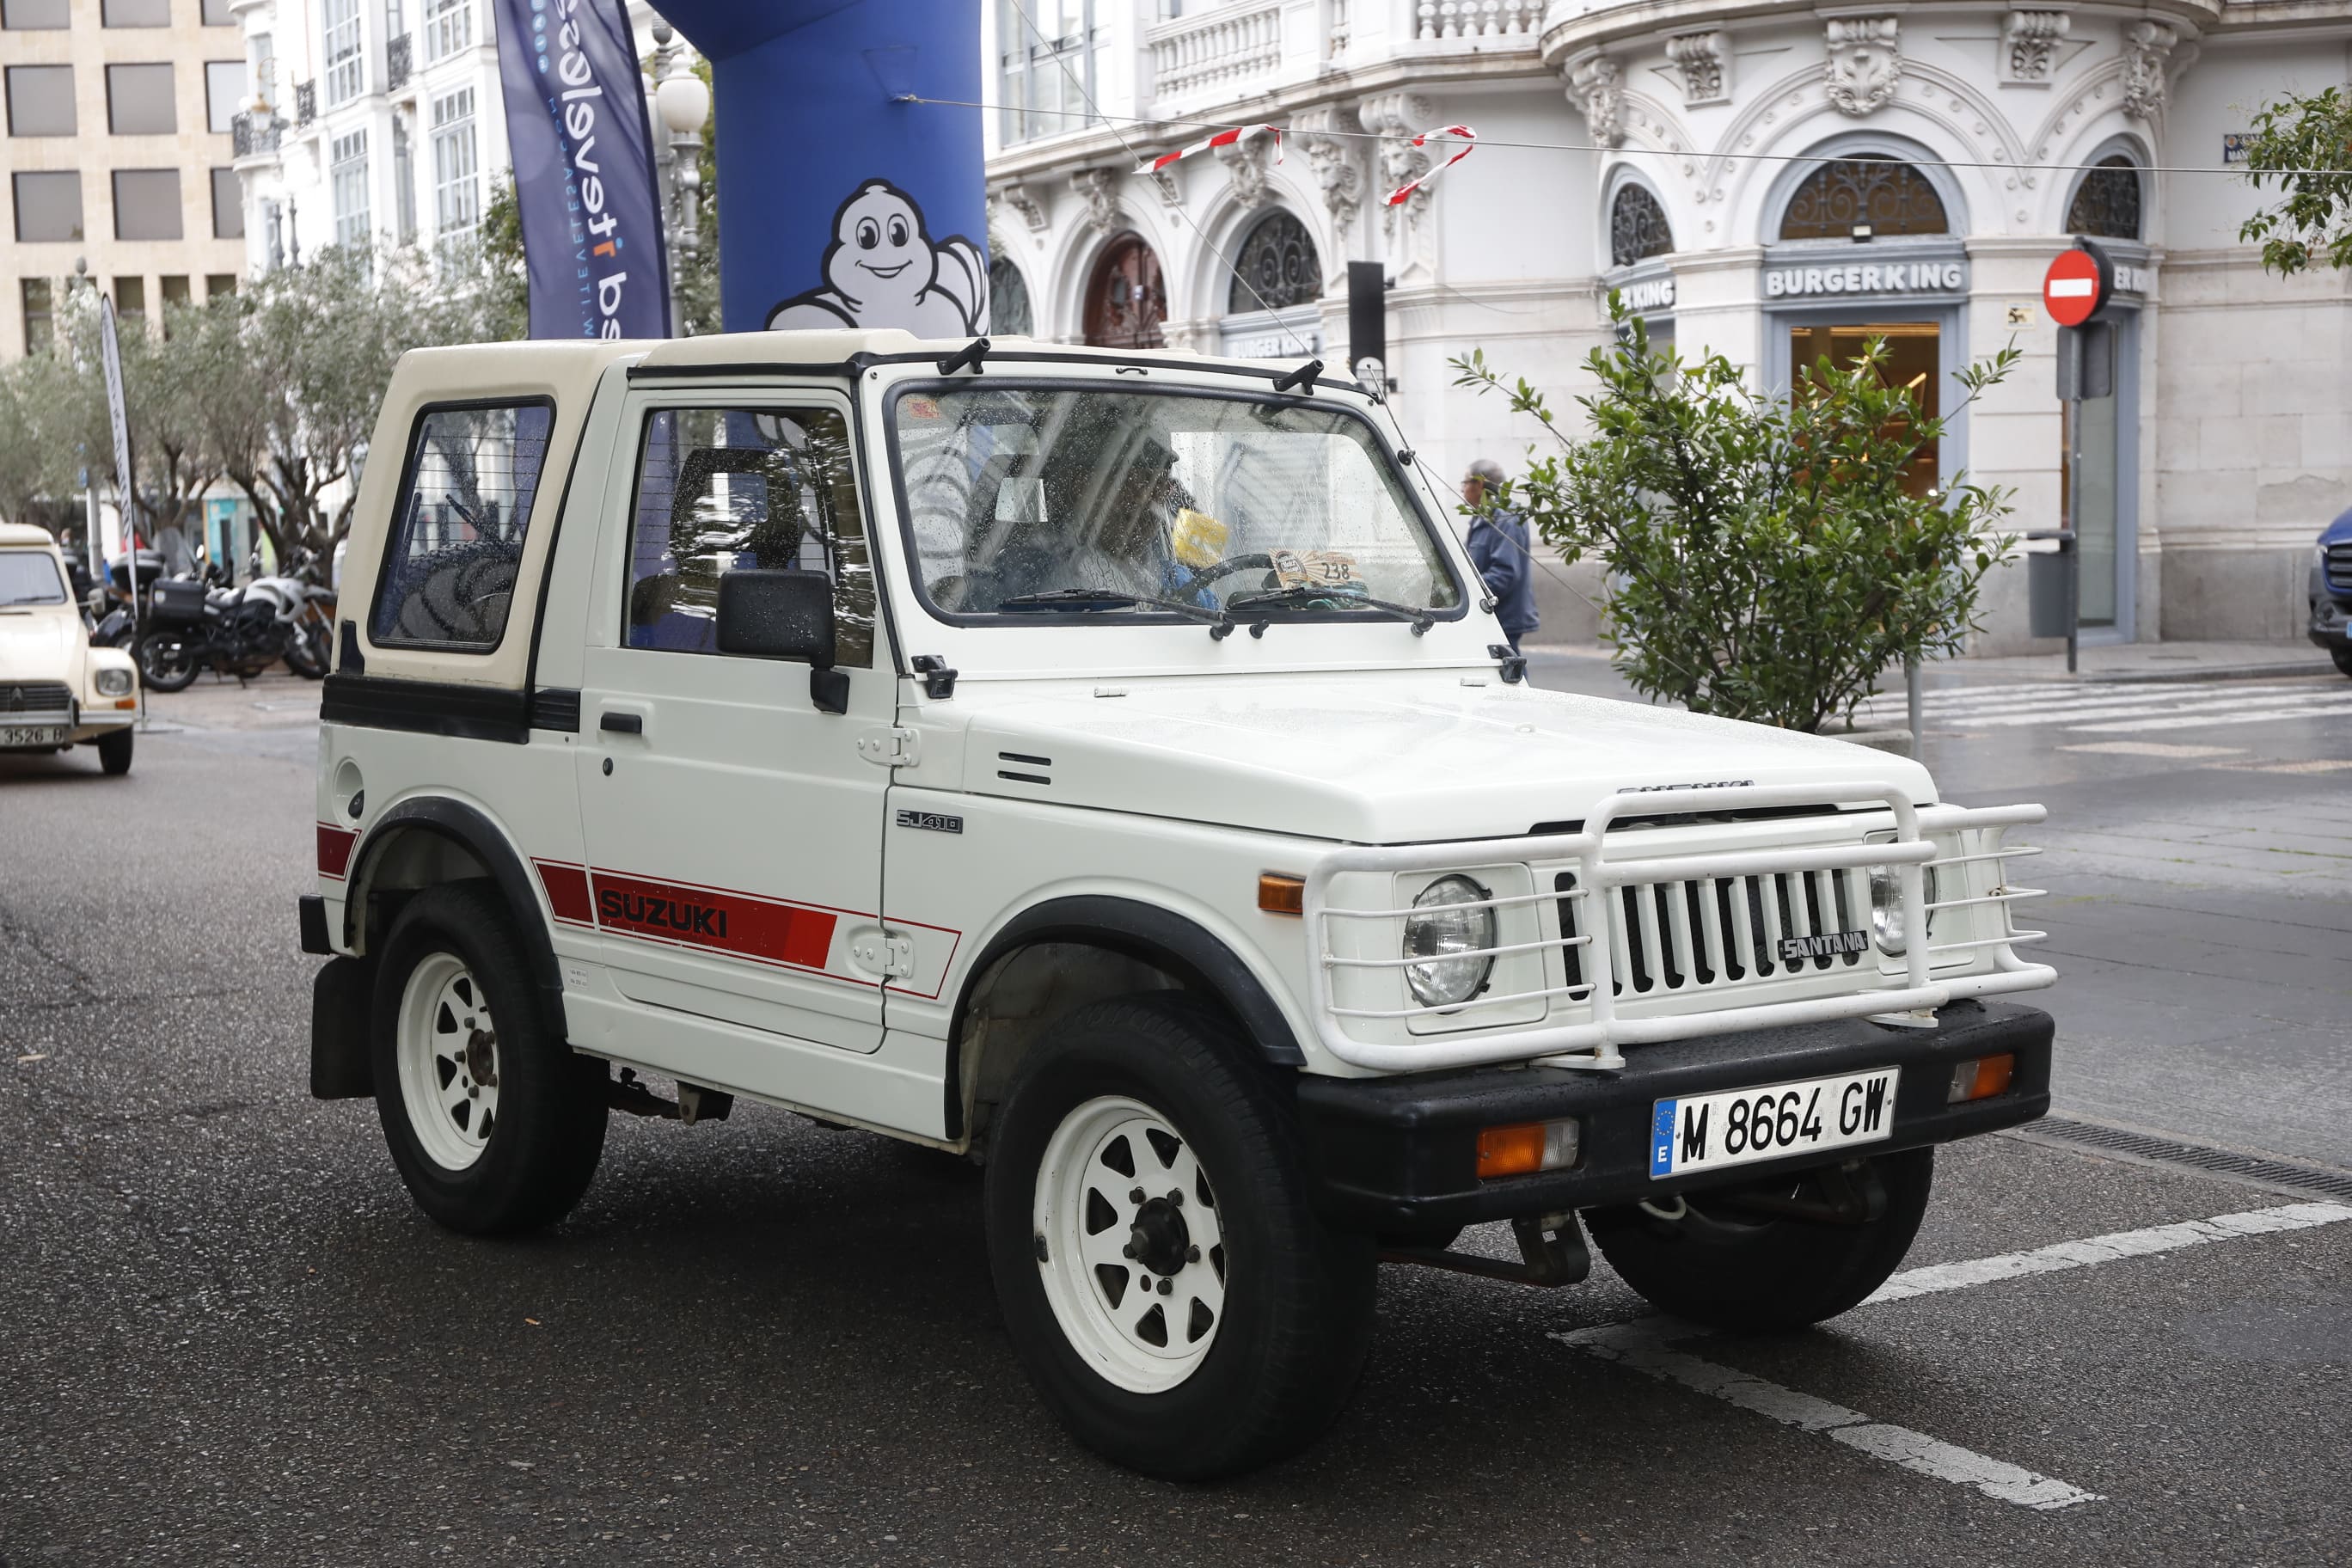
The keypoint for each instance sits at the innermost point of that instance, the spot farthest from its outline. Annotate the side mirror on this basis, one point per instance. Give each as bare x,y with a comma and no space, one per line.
784,614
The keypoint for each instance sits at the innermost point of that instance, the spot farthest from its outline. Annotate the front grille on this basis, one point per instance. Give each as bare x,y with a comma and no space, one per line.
2340,567
1672,937
27,701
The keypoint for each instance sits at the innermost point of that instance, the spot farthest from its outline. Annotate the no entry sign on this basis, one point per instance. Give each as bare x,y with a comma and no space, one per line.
2074,288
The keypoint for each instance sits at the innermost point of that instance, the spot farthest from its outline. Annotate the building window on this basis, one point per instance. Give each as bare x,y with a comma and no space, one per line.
20,16
136,13
457,187
2106,204
1008,301
130,300
228,206
223,85
1861,197
174,292
48,205
139,100
472,475
1276,268
346,71
40,314
217,14
40,100
1045,56
1125,300
1637,225
348,178
220,285
147,204
448,27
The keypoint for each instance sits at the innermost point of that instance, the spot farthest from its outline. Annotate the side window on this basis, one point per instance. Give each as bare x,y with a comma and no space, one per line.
720,489
459,526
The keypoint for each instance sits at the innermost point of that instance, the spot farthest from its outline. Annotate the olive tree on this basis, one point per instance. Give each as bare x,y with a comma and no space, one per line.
1769,561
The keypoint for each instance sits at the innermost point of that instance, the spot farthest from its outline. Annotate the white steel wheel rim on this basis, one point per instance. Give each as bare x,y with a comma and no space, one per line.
1129,1244
447,1049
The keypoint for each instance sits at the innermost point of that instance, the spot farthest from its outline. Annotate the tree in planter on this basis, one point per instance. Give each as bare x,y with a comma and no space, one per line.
1769,562
2305,145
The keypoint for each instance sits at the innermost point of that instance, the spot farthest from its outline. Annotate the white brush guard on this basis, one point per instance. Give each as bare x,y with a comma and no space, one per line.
1705,949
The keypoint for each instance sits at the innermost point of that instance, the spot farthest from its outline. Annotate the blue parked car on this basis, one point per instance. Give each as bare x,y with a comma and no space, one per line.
2331,591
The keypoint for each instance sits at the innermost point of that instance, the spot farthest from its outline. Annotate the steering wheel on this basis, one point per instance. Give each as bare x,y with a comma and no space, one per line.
1229,566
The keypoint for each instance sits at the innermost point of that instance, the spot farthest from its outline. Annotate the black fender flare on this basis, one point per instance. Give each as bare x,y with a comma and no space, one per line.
473,831
1158,936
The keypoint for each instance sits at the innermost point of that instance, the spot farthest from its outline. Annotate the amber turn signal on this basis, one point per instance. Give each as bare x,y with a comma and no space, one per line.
1282,895
1981,1078
1527,1147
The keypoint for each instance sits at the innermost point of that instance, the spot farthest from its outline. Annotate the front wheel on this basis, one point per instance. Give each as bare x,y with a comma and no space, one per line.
2343,657
1172,1294
1727,1260
166,661
114,753
307,652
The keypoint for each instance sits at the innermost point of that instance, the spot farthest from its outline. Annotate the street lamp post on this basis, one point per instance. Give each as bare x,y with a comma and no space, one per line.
683,101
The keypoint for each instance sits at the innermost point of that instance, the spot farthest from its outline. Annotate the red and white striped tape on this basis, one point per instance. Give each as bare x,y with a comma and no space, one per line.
1222,138
1469,140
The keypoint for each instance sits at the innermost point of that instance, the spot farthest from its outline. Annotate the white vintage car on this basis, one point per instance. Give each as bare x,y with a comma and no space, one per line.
56,690
1103,765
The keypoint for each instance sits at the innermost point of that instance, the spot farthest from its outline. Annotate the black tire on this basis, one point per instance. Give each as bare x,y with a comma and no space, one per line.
114,753
1296,1313
1734,1271
543,1147
307,652
164,662
2343,657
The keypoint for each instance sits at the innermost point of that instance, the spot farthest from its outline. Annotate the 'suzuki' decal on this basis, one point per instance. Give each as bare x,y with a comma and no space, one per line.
335,846
735,923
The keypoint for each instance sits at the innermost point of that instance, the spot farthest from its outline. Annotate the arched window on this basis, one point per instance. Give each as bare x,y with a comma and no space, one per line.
1008,301
1125,300
1869,193
1276,268
1637,225
2106,202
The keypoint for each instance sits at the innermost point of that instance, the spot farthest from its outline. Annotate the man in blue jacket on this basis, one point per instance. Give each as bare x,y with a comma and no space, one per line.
1499,547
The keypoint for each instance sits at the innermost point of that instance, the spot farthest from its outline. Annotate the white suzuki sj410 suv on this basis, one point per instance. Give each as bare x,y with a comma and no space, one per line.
1102,764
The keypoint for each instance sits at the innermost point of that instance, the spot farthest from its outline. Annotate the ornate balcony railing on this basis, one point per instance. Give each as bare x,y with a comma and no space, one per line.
306,102
252,136
1217,53
399,60
1477,19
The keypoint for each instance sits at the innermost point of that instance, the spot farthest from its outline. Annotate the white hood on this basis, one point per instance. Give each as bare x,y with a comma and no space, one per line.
41,645
1372,759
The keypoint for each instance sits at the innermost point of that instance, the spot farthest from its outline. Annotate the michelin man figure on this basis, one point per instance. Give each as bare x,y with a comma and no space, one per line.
881,269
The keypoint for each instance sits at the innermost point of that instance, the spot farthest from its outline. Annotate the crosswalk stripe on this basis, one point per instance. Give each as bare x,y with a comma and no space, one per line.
2209,720
2071,716
2051,700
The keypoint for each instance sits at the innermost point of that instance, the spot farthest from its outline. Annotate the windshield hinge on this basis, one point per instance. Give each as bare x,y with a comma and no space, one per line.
938,680
889,748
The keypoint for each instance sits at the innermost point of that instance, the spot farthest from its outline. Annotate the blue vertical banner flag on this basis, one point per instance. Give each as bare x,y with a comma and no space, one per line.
583,169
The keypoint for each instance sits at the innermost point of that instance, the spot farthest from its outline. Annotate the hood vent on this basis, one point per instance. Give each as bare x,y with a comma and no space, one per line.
1022,760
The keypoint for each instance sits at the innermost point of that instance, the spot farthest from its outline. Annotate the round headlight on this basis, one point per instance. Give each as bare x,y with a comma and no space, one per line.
114,683
1440,929
1886,909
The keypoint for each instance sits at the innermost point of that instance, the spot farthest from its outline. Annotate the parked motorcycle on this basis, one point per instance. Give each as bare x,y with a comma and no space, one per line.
191,627
305,609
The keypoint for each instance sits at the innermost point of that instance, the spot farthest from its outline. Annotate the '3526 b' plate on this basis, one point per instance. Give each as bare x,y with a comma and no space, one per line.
1708,1130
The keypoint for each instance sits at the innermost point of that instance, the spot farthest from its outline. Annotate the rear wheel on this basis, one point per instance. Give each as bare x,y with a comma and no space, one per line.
114,751
166,661
1164,1278
1724,1261
494,1124
307,651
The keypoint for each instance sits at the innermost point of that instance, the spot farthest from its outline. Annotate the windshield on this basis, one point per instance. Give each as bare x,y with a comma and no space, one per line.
1091,504
30,577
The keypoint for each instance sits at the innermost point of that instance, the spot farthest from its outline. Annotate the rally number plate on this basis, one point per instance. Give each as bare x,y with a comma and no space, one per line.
32,735
1708,1130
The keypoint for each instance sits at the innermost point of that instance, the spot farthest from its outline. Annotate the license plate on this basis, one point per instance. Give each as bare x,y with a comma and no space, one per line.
1708,1130
26,736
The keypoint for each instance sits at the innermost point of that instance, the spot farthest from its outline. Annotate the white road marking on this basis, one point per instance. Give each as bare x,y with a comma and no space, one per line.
2313,765
2154,749
2341,705
1646,1345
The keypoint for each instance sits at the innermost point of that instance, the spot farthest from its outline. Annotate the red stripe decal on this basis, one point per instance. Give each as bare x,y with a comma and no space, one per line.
567,891
335,849
721,922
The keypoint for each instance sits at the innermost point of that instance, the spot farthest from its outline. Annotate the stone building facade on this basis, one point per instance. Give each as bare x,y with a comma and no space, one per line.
1769,182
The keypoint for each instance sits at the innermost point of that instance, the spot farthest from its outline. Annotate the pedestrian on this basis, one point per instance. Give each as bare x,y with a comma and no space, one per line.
1498,548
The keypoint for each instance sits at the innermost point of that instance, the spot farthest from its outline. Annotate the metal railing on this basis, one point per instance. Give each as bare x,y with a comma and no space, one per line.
306,102
254,135
1594,948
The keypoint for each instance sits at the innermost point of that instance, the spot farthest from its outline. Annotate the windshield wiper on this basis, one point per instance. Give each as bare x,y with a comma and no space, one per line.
1114,599
1299,594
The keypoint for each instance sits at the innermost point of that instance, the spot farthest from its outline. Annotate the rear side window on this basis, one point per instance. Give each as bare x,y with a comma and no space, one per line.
458,527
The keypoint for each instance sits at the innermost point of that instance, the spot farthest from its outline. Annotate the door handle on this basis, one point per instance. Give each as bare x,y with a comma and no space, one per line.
623,723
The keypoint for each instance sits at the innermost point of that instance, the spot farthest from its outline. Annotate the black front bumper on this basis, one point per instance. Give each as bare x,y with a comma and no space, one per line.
1399,1155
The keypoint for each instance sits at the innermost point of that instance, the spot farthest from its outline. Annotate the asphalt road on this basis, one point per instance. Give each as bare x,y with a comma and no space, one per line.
226,1336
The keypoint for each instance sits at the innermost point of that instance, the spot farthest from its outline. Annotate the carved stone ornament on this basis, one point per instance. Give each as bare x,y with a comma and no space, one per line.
1170,182
1098,188
1020,199
1704,62
1245,161
1328,134
1396,118
1597,86
2147,47
2029,45
1865,57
